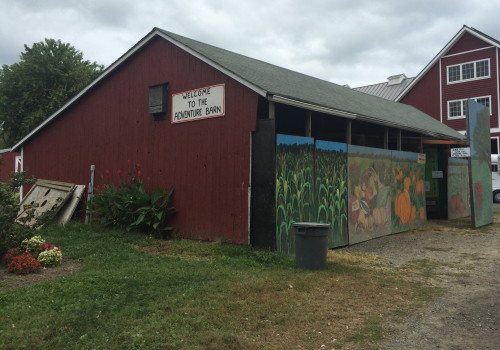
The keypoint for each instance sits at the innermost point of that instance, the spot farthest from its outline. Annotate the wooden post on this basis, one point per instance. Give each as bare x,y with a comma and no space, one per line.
386,138
308,123
348,136
399,139
272,110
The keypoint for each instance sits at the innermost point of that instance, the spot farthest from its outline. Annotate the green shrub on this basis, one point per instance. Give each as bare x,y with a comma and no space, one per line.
23,264
51,257
11,232
129,205
32,243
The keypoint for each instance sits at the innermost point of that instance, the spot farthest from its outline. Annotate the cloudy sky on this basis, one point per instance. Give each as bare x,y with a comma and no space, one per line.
355,42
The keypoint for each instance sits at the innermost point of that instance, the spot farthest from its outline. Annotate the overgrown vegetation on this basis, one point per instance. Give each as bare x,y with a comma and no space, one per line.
135,292
131,206
12,233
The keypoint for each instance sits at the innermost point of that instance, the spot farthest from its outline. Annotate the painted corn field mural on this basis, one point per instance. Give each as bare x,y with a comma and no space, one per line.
294,192
408,191
478,129
330,196
369,187
458,188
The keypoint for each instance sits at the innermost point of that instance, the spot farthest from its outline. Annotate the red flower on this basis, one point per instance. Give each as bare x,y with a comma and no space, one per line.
138,165
129,161
106,172
139,172
119,172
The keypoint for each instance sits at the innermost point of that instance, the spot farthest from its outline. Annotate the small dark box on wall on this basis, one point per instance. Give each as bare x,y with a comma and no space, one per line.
158,100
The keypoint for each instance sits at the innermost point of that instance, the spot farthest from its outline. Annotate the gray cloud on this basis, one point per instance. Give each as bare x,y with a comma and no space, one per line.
356,42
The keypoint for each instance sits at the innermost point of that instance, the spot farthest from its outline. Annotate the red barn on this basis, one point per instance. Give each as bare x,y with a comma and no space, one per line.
467,67
10,162
205,120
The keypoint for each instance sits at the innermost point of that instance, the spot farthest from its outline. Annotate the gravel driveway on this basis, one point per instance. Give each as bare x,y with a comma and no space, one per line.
466,264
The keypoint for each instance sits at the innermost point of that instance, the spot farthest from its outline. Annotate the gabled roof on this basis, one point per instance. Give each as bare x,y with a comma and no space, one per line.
453,41
384,90
286,86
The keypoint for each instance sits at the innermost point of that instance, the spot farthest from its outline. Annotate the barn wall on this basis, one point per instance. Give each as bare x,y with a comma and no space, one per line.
425,94
467,42
8,164
470,89
208,160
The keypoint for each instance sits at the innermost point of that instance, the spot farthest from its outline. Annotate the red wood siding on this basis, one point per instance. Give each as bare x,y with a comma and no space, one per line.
425,94
208,161
466,43
8,164
470,89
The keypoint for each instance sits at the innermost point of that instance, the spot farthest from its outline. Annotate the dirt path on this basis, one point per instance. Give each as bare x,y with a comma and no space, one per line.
466,264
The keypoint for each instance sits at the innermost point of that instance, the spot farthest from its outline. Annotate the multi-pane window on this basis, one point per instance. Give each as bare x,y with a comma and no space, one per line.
458,108
482,68
469,71
455,109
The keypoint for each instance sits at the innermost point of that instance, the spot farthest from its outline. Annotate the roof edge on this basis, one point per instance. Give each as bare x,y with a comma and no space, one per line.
440,54
141,43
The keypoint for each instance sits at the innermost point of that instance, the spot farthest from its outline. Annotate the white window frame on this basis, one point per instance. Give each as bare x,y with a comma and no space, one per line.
475,73
462,115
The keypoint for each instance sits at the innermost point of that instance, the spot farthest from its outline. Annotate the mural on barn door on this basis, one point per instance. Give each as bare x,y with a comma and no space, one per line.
299,161
458,188
369,193
294,178
408,191
361,192
478,129
331,190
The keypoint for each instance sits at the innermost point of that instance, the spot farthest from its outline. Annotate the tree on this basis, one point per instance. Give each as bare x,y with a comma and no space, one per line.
48,75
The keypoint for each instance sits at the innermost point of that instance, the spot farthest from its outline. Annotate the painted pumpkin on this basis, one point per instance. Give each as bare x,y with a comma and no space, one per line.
413,215
422,214
402,206
407,183
419,187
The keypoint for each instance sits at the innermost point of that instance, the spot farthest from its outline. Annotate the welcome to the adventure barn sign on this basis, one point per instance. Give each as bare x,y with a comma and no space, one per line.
207,102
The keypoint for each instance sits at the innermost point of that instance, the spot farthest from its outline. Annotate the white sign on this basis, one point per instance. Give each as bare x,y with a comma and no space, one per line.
460,152
437,174
421,158
207,102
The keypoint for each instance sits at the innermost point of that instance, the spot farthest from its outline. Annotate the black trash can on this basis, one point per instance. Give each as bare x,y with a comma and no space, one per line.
311,245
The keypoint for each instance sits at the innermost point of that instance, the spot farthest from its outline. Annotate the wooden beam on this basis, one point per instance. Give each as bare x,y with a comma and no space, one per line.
386,138
348,136
308,123
444,142
272,110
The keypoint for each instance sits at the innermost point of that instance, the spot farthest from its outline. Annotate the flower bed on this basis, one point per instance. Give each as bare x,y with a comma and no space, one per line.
33,255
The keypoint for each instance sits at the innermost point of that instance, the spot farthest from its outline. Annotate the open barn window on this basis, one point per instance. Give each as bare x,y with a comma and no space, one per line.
158,101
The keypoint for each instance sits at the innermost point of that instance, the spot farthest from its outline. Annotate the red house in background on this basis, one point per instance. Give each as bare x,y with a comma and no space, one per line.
466,68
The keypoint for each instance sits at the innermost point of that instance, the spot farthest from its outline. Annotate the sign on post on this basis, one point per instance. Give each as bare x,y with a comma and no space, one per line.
207,102
460,152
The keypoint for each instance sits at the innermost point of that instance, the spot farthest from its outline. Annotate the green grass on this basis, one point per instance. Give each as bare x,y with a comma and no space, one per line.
134,292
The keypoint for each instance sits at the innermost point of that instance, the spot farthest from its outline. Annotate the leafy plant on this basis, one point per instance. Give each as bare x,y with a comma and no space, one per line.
131,206
11,253
50,257
23,264
32,243
12,233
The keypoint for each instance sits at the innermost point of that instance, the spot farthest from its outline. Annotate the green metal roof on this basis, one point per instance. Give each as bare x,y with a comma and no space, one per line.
282,82
285,86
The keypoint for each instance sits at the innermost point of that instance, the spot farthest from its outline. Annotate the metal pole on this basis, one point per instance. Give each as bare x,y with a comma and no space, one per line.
90,193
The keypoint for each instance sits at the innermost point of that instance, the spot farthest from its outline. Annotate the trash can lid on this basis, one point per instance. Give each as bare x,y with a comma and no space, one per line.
311,224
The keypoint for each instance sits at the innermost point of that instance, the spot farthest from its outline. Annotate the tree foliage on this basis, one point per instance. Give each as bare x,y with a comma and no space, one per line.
48,74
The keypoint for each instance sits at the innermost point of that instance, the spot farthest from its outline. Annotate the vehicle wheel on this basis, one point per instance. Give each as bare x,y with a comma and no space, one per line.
496,196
